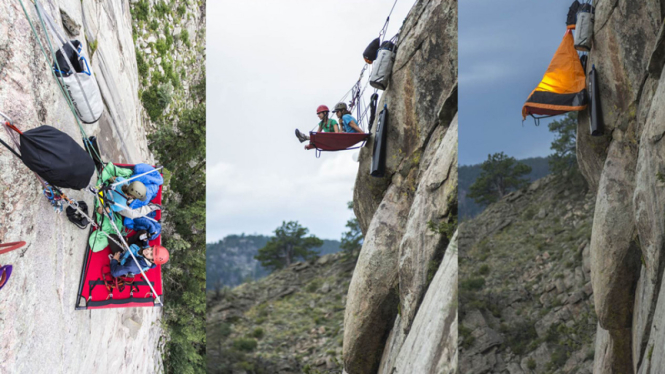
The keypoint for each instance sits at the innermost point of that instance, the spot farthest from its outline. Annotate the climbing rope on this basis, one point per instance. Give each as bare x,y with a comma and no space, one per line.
385,25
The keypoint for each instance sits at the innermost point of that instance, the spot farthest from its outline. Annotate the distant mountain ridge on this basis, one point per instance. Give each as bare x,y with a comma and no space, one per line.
469,173
230,261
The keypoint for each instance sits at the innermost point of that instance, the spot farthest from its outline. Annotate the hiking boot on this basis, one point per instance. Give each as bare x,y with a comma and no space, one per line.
302,137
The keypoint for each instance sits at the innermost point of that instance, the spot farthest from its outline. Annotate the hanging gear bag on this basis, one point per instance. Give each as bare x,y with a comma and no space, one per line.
56,157
75,74
371,51
383,66
584,28
378,166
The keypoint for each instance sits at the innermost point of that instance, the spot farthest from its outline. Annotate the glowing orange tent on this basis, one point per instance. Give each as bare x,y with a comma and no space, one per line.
563,88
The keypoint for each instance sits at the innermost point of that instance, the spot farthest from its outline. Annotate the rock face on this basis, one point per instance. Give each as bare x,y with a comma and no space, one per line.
525,294
408,217
626,166
37,317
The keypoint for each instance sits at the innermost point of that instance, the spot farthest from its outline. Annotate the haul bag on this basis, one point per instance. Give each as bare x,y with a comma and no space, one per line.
378,166
584,31
595,112
371,51
383,66
74,73
67,58
56,157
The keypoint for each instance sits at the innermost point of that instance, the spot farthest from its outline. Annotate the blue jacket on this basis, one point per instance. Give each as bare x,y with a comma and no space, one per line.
152,182
127,264
153,228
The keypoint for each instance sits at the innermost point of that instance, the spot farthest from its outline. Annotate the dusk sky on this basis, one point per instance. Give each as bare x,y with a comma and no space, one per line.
501,60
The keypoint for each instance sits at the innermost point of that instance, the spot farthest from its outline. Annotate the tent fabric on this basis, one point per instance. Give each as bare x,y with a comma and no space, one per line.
92,292
335,141
56,157
563,87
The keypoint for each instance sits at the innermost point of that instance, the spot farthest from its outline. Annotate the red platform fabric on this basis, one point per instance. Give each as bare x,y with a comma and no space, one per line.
92,287
335,141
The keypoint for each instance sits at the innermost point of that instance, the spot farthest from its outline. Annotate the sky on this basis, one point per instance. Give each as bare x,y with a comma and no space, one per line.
501,60
270,64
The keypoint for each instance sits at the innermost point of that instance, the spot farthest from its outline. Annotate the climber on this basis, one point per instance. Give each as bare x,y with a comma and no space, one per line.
325,125
132,200
348,122
124,194
148,257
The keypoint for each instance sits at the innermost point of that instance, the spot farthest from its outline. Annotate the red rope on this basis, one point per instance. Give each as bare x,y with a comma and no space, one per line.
13,127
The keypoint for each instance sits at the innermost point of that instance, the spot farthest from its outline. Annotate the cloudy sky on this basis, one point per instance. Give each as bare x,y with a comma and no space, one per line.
269,65
504,49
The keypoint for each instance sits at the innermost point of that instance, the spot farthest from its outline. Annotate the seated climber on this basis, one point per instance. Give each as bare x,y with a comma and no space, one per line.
148,257
325,125
349,123
132,200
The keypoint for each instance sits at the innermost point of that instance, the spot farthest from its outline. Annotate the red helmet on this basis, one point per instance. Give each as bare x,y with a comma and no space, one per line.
322,108
160,254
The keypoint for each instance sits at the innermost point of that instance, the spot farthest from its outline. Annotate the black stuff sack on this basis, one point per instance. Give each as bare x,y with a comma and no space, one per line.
56,157
371,51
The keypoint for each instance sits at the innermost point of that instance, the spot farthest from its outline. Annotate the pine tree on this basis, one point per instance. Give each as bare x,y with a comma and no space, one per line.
288,245
500,175
564,158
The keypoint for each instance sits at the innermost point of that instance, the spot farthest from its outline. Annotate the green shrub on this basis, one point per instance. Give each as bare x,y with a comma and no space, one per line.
313,286
225,330
484,270
245,344
473,284
182,9
531,364
162,10
467,338
519,335
155,99
258,333
161,47
154,25
141,10
184,36
141,64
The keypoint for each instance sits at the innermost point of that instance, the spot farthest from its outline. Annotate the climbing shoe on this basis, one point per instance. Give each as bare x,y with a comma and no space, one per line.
302,137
